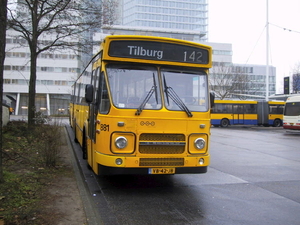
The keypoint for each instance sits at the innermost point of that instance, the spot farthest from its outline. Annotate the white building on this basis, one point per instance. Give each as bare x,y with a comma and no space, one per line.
257,79
56,71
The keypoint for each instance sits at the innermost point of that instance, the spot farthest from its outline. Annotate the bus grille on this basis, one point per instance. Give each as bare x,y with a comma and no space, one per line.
162,144
161,162
162,137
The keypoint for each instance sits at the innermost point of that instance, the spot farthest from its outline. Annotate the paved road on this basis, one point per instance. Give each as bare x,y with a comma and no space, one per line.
253,179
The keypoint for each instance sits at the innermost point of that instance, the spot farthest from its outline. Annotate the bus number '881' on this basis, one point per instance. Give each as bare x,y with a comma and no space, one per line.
104,127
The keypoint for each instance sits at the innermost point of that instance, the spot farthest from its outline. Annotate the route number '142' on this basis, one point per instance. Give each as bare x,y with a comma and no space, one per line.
193,57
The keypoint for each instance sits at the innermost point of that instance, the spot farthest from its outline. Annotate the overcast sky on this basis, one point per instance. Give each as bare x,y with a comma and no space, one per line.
243,24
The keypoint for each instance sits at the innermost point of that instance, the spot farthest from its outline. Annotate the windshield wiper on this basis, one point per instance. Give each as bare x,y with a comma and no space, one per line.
146,99
176,99
148,96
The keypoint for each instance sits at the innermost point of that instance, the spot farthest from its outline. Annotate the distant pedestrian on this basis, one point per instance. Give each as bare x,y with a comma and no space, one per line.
11,110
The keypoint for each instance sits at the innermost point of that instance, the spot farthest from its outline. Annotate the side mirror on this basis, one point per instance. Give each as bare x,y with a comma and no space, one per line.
212,99
89,93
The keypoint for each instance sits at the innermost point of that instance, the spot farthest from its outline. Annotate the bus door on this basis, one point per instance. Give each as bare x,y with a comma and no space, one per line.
92,118
91,133
238,114
91,121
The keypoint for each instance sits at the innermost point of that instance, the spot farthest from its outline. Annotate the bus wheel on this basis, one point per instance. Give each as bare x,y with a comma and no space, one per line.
84,147
277,123
224,123
74,129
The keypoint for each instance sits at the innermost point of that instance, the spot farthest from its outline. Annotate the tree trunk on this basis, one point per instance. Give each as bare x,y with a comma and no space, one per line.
32,91
33,63
3,18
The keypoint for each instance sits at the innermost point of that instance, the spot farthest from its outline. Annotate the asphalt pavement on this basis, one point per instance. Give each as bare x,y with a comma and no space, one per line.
253,179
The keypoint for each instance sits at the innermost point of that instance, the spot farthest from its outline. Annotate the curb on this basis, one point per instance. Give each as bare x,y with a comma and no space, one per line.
92,217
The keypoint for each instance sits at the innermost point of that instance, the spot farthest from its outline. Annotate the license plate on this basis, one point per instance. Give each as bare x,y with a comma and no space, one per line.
161,170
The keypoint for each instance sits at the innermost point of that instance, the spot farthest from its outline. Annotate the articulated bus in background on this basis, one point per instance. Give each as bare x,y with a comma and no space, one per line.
142,106
291,115
234,112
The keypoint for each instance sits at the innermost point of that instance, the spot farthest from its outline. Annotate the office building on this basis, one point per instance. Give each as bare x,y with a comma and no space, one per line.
56,72
187,15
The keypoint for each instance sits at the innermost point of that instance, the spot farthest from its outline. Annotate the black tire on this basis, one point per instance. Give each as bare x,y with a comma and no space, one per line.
277,123
74,130
224,123
84,147
88,166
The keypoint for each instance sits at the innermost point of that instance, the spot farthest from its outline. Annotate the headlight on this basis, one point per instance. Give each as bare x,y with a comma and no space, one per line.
199,143
121,142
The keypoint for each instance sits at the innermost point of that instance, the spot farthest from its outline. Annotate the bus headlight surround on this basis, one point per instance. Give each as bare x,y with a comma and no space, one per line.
121,142
199,143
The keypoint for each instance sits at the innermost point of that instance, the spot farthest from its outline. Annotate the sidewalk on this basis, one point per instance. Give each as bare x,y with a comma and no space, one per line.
69,200
88,204
64,200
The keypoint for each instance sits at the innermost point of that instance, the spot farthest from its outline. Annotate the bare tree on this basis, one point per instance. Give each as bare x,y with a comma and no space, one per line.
110,14
225,81
68,23
296,83
3,19
296,79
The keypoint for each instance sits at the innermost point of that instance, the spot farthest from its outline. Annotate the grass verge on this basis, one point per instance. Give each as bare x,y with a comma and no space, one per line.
31,163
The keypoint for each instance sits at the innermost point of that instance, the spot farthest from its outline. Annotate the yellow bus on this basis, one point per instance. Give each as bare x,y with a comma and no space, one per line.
233,112
142,106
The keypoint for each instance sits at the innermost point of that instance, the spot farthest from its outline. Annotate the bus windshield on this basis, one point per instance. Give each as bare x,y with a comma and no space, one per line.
138,87
185,90
292,109
134,86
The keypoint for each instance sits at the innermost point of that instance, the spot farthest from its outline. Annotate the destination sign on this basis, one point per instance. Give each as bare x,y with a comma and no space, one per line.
160,51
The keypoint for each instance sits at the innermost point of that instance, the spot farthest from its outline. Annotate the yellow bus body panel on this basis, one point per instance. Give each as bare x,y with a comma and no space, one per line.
151,123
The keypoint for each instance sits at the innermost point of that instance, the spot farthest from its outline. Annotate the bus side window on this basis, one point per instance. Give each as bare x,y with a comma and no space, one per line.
250,109
104,104
280,109
79,93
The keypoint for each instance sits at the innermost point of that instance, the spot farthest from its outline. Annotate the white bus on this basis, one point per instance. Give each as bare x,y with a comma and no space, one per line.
291,115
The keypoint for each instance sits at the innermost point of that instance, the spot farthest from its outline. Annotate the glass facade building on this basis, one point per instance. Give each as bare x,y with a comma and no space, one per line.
188,15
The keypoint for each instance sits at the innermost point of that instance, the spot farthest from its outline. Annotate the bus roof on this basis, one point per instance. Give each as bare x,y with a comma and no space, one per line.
295,98
237,101
166,39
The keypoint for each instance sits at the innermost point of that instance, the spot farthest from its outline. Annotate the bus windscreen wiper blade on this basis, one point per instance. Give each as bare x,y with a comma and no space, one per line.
148,96
146,99
172,94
